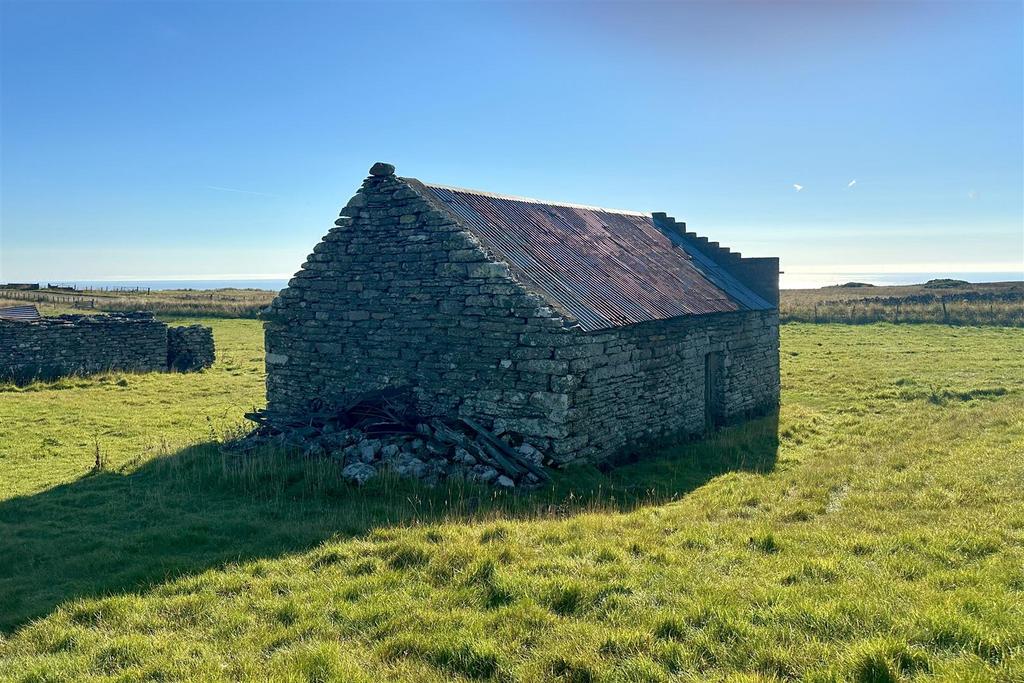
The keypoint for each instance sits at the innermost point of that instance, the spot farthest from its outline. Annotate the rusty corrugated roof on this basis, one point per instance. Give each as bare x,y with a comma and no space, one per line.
20,313
603,267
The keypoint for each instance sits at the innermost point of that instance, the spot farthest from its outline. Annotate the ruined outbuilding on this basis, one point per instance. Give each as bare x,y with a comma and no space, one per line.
589,331
33,347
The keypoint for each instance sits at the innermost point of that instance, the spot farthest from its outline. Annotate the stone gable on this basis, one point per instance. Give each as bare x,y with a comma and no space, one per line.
398,294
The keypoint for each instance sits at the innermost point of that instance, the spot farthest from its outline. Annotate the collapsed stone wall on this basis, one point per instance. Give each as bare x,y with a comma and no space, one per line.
82,344
189,348
644,383
399,295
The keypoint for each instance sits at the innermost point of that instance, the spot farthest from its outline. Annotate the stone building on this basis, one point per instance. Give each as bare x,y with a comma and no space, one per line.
588,331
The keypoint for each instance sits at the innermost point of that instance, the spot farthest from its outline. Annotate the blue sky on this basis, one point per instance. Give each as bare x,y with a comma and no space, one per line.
163,140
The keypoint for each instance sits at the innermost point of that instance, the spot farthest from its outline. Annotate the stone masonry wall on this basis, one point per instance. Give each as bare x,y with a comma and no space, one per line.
399,295
646,382
189,348
79,344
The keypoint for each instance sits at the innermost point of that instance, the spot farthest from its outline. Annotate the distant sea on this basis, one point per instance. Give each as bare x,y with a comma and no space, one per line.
797,280
791,280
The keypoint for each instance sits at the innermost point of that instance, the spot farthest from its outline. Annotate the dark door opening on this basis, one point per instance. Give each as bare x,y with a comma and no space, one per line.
714,391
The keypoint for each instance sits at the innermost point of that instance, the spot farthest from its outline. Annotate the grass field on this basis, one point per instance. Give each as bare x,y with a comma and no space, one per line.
219,303
873,531
952,302
986,303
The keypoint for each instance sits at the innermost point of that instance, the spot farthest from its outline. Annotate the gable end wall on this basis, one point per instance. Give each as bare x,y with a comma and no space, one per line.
398,295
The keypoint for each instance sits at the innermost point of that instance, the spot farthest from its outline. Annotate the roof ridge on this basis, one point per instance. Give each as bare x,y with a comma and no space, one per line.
531,200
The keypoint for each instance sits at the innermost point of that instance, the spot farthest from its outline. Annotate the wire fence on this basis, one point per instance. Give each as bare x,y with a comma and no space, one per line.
967,308
72,300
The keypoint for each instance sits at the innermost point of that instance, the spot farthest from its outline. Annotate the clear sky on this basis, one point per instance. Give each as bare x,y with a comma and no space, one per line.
162,140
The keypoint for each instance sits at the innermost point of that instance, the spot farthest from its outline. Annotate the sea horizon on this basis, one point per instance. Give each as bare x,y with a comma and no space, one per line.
793,280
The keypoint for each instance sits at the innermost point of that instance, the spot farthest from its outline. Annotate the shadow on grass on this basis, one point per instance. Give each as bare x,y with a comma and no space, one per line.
197,509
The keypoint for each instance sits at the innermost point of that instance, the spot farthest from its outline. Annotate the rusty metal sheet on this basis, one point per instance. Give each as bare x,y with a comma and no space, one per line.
20,313
603,267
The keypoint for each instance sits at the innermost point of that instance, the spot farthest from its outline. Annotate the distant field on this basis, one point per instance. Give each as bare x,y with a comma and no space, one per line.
993,303
221,303
874,532
998,303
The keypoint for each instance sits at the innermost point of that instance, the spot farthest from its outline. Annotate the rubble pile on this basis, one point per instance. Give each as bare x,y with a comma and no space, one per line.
382,432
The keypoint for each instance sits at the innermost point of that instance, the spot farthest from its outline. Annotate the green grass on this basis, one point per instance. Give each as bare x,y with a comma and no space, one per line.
962,303
212,303
49,432
873,532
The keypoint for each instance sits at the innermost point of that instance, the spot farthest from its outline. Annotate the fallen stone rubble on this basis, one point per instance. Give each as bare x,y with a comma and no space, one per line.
382,432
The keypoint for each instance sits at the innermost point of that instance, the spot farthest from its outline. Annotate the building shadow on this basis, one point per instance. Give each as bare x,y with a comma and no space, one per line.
198,509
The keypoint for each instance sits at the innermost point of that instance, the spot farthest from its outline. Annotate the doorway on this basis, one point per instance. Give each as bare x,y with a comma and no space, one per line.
714,391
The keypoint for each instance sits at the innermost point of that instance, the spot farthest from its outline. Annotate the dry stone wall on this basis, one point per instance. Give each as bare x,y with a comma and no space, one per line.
189,348
84,344
80,344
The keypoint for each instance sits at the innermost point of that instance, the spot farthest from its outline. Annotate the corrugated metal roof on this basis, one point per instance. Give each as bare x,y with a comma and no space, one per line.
20,313
715,272
603,267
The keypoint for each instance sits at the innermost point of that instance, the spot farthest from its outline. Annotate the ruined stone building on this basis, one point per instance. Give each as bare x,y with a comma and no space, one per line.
589,331
35,347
